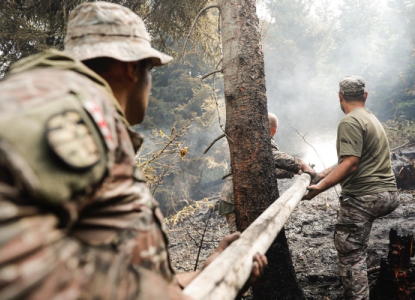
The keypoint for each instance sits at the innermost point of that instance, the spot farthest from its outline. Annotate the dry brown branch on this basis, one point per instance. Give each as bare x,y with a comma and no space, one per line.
211,73
156,164
211,144
192,238
201,240
171,140
194,23
166,168
227,175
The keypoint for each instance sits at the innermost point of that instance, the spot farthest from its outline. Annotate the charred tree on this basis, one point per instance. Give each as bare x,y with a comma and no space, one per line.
247,129
396,280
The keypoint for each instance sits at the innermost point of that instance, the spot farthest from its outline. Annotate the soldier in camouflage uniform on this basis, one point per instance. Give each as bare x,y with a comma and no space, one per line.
286,166
77,220
368,185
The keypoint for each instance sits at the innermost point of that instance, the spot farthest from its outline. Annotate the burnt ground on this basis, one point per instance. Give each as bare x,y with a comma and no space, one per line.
309,233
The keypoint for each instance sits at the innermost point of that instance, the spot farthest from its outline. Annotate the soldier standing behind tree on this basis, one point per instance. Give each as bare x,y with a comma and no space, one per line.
287,166
77,219
368,185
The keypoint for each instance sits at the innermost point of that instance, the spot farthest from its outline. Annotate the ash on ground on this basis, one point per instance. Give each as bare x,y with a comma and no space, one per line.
309,232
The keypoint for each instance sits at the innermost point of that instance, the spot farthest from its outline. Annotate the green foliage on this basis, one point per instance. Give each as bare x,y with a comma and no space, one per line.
30,26
178,95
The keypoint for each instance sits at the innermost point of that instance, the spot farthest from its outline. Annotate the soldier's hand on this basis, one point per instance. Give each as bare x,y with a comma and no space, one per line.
313,190
258,267
317,178
260,263
309,170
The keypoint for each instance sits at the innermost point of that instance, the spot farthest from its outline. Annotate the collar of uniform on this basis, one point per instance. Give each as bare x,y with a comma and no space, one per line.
56,59
274,143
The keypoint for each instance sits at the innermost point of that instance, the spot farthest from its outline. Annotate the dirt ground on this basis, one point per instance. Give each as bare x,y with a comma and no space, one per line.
309,233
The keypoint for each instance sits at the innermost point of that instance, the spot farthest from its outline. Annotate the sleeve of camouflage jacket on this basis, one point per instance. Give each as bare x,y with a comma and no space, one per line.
107,242
286,162
39,261
282,174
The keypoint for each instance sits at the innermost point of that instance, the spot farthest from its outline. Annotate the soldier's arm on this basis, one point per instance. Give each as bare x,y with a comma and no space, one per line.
289,163
339,173
323,174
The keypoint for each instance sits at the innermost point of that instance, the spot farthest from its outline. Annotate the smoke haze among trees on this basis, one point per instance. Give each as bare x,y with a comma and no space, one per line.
309,45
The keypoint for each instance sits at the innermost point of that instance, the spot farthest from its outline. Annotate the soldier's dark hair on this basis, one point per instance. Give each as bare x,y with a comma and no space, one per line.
100,64
360,98
104,64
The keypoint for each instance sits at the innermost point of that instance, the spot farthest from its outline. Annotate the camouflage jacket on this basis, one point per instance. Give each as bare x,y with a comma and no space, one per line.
77,220
286,165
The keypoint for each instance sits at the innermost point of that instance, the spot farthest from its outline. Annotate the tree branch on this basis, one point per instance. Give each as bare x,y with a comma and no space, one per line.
194,23
201,241
305,141
227,175
211,144
211,73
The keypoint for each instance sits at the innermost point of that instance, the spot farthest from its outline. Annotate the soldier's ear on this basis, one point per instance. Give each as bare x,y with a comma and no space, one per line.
132,71
366,93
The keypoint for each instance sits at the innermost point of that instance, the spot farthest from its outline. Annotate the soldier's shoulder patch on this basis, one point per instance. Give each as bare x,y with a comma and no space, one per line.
71,140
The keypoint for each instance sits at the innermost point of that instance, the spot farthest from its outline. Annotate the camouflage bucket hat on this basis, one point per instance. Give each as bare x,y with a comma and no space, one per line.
352,86
102,29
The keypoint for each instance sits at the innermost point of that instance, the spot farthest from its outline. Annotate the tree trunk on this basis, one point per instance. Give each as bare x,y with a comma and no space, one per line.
254,175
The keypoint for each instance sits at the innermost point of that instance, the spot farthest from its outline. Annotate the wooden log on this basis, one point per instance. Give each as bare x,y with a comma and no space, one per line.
227,274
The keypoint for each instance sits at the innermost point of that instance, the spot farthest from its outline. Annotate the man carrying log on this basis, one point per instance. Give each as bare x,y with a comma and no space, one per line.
77,220
368,185
287,166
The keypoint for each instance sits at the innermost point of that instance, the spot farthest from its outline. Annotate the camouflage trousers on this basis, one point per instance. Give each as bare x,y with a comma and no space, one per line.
351,238
231,219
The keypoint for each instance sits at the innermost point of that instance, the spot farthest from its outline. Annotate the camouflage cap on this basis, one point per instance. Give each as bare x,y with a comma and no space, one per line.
102,29
352,86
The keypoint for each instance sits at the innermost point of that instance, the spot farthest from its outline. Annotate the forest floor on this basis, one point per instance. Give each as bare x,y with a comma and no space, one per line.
310,236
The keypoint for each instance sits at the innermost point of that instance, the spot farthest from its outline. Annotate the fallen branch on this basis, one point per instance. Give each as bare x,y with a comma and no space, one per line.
211,73
194,23
211,144
396,148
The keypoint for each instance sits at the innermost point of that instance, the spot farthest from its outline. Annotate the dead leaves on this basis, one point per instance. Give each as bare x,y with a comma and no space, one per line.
183,152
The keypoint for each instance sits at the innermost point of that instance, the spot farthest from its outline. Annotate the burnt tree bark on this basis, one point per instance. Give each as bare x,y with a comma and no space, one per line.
254,175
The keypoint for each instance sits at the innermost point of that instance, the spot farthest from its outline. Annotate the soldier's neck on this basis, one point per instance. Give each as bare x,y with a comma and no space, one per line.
353,105
120,92
122,99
